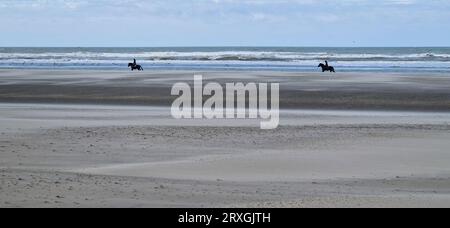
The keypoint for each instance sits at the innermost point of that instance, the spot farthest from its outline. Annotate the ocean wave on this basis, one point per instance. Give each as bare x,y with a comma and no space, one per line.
296,59
224,56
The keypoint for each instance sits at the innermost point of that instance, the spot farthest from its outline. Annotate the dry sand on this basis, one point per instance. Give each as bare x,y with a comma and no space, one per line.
71,154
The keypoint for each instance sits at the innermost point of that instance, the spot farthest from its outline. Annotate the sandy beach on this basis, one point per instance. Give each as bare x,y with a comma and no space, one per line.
107,139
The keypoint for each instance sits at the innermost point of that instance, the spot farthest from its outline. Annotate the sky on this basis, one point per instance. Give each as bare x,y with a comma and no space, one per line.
163,23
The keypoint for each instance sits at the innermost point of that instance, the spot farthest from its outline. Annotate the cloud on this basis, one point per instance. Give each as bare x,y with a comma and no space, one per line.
198,6
249,22
273,11
70,4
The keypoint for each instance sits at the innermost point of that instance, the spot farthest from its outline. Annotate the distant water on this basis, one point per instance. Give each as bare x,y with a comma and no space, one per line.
231,58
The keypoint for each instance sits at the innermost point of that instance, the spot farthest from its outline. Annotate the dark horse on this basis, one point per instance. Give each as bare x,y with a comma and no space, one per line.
326,68
135,67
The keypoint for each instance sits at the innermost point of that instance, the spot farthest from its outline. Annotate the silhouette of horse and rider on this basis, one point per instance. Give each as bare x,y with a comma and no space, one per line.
325,67
135,66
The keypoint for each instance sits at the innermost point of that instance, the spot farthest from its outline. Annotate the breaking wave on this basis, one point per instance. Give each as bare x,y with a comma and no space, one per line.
193,58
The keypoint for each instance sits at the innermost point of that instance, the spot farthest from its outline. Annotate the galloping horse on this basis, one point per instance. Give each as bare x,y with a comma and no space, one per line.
326,68
135,67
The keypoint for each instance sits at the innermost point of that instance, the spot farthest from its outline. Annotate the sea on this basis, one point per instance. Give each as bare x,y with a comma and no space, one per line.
291,59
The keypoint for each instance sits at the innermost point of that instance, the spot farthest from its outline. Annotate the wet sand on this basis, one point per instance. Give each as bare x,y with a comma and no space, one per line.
85,152
366,91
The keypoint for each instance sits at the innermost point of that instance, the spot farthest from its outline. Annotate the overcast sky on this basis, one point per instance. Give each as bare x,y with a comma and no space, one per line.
224,23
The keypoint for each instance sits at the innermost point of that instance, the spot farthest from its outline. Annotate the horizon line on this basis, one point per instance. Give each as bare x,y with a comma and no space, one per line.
226,46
